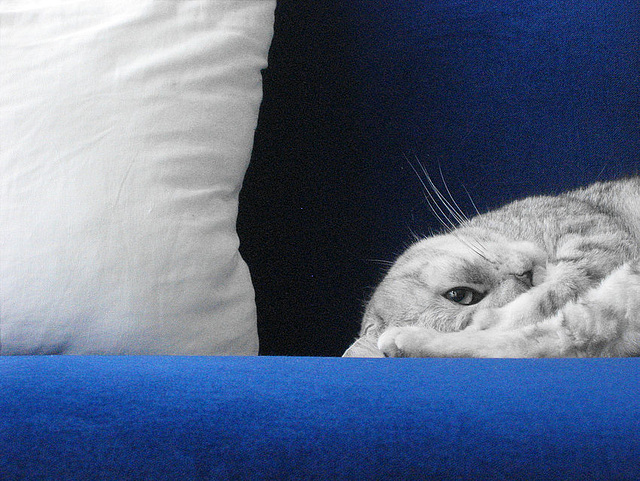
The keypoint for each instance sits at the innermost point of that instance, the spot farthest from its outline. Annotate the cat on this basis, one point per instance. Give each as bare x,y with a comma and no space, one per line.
544,276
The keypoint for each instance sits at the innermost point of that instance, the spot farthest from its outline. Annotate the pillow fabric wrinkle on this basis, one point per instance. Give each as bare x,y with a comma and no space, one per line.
127,128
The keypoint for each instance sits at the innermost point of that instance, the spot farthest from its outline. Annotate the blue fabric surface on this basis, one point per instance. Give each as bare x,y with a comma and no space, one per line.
318,418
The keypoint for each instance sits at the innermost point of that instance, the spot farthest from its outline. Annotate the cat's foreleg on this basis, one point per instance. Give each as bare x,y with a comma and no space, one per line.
541,340
565,280
605,322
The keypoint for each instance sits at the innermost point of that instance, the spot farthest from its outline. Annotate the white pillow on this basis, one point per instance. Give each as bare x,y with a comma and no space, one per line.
125,131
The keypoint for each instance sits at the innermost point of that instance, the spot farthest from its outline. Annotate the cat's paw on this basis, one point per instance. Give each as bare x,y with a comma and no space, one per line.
387,343
485,318
522,311
538,274
406,341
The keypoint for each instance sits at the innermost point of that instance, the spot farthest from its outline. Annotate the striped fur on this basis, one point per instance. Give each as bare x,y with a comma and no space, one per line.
560,277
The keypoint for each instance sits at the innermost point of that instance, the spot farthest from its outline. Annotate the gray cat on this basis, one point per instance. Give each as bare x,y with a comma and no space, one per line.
548,276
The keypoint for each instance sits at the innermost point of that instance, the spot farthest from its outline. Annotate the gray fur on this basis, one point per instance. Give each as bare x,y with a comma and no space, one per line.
559,275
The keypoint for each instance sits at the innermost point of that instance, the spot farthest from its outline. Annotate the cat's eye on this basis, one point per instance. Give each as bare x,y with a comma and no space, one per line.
464,296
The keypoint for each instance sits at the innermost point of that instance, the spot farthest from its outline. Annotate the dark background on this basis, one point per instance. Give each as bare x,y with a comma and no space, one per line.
506,98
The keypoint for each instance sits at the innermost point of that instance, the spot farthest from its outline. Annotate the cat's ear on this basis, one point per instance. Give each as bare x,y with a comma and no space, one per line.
368,329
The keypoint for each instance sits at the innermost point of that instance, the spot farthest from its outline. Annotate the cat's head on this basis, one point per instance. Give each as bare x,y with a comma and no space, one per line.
441,281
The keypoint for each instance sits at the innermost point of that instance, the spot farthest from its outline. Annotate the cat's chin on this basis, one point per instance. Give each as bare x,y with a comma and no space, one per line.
363,347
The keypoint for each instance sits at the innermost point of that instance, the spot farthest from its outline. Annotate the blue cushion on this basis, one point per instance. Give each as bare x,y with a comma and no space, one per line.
318,418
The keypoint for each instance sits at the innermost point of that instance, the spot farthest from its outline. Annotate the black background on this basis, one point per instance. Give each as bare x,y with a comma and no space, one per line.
501,99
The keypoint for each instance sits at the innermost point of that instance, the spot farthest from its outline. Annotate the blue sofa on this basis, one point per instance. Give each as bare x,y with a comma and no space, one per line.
294,418
507,99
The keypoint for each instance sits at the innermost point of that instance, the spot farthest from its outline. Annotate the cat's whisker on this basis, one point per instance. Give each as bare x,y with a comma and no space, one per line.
442,217
381,262
414,235
453,209
458,209
431,200
486,253
476,246
471,199
436,210
481,254
443,200
478,249
446,209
